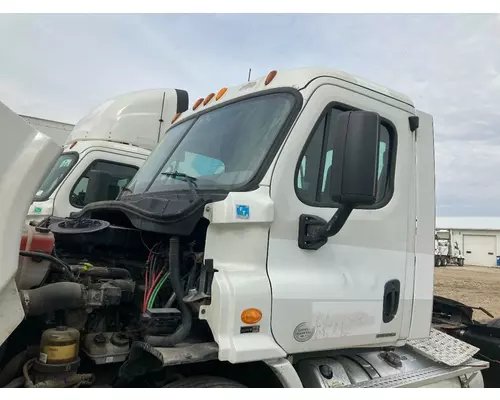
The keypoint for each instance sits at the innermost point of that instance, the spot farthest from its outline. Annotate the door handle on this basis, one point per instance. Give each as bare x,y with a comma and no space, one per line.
391,300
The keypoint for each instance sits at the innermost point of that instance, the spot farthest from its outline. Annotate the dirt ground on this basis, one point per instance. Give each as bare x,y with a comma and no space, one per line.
474,286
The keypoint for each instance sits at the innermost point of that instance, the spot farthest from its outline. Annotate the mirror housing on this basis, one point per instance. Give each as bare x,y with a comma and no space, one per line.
355,181
97,186
356,158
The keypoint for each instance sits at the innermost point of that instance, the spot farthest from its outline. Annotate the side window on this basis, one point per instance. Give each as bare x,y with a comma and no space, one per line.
315,168
119,176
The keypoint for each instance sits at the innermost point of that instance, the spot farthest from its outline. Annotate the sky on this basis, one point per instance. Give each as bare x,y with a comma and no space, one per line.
60,66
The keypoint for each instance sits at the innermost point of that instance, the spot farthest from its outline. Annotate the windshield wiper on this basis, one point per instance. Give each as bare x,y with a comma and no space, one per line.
190,180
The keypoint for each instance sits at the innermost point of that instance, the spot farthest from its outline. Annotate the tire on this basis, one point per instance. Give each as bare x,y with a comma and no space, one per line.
461,262
438,261
444,262
204,382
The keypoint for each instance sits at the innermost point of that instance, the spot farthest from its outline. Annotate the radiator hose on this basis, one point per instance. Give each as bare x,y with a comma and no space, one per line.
175,278
52,297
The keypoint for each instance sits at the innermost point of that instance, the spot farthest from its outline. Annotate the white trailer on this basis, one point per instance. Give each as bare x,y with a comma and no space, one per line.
59,131
269,240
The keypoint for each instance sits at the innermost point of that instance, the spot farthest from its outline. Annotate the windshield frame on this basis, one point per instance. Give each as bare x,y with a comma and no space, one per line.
47,195
260,172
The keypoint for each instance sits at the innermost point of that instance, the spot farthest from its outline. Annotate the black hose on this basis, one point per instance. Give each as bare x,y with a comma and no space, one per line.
14,366
102,272
60,265
52,297
175,278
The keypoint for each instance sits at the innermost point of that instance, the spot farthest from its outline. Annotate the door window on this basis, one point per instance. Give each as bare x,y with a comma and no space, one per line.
119,177
315,168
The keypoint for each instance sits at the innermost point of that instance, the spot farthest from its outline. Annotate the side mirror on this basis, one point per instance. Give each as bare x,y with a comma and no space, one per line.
355,178
356,144
97,186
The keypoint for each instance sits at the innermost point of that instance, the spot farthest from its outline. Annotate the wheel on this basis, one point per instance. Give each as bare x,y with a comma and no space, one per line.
204,382
444,262
438,261
460,262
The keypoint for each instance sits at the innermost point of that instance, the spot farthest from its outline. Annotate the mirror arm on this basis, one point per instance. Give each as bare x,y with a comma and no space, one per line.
336,223
315,231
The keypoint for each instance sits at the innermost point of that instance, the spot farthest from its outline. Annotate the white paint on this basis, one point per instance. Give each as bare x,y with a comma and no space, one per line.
58,203
239,250
351,321
458,235
285,372
25,157
349,273
59,131
123,130
301,78
133,118
423,289
480,250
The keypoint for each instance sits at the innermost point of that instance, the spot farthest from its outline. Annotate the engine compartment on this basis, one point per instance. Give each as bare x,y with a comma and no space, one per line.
106,286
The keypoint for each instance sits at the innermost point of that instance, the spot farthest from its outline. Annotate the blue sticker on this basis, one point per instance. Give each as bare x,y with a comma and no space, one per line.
242,211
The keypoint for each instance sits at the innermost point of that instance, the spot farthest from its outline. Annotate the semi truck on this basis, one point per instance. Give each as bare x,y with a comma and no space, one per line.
279,235
446,252
115,138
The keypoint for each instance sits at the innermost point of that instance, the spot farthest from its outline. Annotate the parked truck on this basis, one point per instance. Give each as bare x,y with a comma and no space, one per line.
114,138
269,240
446,252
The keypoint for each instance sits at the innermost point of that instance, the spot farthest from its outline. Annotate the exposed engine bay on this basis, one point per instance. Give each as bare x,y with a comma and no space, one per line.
95,292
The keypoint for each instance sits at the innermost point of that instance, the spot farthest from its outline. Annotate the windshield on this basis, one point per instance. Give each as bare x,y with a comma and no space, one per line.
58,172
222,149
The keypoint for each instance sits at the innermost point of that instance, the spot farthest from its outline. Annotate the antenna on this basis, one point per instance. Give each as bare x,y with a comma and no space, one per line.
249,73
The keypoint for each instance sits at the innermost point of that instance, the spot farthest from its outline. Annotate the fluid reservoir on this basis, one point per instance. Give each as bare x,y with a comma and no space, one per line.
59,345
31,272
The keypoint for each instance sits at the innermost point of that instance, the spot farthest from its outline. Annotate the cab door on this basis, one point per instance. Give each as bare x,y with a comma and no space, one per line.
25,157
72,195
356,289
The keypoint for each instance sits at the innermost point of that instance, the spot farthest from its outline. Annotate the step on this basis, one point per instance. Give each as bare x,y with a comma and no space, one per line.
423,377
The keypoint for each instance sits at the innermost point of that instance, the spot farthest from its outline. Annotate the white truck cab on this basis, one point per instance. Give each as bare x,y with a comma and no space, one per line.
280,235
114,138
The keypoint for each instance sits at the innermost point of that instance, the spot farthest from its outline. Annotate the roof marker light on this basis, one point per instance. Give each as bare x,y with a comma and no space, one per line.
176,117
220,94
270,77
208,98
197,104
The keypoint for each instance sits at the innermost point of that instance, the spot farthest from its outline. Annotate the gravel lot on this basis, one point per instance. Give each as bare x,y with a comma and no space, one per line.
474,286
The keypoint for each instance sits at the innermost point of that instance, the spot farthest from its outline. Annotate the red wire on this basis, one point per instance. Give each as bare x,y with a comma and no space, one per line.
145,291
150,291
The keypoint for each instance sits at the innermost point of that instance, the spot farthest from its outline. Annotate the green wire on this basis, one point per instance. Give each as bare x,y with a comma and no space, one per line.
157,290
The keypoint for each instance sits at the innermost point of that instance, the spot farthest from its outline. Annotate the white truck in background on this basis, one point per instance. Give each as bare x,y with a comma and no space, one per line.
445,252
59,131
269,240
111,142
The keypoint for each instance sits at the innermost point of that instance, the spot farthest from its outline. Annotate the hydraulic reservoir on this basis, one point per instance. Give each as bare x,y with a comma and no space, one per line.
32,271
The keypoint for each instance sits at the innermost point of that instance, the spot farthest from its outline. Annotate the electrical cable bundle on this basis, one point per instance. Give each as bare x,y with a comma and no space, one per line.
155,276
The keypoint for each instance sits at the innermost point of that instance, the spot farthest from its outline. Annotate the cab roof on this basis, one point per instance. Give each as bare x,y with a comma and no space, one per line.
298,79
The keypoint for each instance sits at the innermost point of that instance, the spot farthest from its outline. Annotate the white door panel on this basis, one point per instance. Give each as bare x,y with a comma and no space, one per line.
25,157
480,250
333,297
63,206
